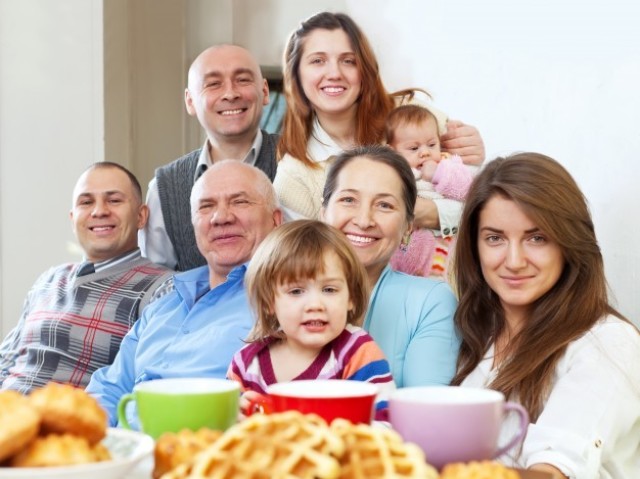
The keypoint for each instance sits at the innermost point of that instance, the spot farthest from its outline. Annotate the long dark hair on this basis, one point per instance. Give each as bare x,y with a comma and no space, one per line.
547,194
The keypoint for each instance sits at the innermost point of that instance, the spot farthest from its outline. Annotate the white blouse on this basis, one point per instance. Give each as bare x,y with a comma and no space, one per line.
590,424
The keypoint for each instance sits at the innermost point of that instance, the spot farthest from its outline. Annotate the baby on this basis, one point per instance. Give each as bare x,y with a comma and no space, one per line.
413,131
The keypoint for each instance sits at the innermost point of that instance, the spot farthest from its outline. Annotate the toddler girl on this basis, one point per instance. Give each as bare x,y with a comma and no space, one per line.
309,292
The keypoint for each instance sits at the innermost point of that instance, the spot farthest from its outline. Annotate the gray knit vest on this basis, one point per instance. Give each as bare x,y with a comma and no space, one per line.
175,181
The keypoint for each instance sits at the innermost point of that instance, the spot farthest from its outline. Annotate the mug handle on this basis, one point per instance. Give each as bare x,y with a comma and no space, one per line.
524,424
262,404
122,405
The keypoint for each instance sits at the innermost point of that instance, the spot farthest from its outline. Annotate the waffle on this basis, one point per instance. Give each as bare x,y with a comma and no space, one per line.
478,470
280,446
173,449
376,452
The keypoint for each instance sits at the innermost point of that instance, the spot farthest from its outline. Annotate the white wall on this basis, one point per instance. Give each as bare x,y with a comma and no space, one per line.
560,77
50,129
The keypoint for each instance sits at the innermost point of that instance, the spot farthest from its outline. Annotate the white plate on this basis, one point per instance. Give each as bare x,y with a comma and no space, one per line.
127,448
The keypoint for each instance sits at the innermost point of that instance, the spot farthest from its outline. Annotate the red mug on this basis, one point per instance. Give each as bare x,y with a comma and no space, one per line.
328,398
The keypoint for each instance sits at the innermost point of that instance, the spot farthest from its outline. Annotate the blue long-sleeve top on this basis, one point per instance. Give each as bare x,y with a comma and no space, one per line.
411,319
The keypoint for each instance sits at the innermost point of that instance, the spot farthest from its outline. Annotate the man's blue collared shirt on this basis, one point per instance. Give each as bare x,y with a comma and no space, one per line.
191,332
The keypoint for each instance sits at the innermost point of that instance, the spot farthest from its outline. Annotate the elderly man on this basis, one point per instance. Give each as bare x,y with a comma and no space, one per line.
76,315
195,329
226,92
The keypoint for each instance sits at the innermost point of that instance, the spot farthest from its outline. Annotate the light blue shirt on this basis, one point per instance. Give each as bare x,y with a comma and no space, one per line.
191,332
411,319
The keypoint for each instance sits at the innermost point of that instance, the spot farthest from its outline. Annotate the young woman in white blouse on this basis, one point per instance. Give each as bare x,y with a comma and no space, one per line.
537,325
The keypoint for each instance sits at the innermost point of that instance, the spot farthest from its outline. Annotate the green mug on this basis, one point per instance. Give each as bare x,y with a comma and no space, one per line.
170,405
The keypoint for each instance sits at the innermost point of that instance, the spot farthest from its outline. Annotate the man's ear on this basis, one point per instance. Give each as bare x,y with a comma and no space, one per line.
143,216
188,102
265,93
278,217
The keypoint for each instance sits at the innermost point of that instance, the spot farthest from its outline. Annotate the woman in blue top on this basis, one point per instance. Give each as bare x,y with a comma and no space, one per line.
370,195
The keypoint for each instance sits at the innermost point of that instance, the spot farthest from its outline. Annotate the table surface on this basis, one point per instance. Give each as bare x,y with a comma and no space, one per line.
144,468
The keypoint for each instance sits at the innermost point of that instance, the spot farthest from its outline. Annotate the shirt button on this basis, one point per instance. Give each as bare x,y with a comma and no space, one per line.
454,230
446,231
598,443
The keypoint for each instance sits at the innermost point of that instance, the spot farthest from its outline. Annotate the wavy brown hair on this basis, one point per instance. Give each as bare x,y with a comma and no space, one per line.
550,197
296,251
373,104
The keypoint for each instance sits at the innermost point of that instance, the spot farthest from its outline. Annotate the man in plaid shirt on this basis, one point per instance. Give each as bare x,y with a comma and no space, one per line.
75,315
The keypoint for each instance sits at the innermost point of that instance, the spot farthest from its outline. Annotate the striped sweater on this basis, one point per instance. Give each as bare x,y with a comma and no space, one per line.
352,355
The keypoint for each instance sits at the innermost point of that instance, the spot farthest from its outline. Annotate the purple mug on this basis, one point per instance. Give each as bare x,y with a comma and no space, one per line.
454,424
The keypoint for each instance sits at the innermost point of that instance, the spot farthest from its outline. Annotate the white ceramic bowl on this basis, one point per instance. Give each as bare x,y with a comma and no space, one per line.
127,449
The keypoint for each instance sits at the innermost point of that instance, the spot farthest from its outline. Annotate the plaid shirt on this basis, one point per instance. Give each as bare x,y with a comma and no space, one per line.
72,325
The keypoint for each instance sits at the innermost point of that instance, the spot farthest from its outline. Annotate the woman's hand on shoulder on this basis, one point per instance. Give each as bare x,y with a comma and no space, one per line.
464,141
426,214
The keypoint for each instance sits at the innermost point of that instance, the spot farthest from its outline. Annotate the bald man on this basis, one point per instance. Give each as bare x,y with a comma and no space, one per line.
226,93
194,330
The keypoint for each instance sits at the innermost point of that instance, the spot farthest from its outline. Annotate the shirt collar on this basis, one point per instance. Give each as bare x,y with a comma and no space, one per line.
204,159
321,147
123,258
193,284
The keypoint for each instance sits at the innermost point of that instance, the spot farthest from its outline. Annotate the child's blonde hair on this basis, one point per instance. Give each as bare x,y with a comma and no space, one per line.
296,251
406,115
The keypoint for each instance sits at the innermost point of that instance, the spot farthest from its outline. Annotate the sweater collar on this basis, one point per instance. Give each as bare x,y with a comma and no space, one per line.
123,258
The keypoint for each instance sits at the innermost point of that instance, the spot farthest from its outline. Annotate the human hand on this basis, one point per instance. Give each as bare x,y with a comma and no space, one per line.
428,170
464,141
247,404
426,214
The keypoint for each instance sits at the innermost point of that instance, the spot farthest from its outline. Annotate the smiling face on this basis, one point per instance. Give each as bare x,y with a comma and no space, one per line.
313,312
226,93
329,73
231,214
417,142
519,261
367,206
106,214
